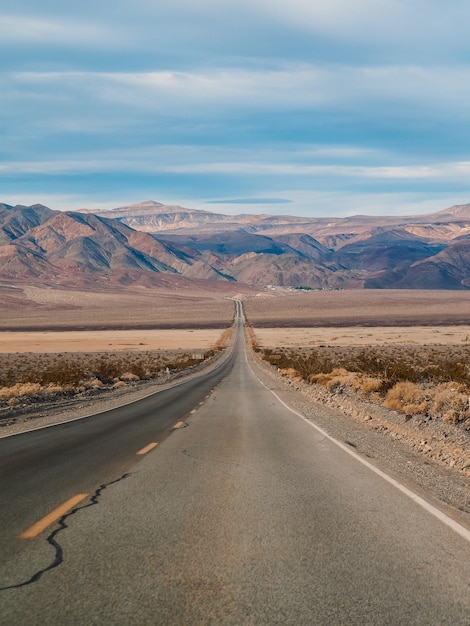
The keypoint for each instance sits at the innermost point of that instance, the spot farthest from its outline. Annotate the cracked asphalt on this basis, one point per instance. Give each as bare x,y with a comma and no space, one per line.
248,516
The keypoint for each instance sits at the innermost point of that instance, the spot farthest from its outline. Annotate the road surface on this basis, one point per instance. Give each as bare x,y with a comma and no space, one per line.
245,515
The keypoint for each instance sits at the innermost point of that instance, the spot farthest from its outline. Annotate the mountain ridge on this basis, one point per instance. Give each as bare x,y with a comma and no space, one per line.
395,252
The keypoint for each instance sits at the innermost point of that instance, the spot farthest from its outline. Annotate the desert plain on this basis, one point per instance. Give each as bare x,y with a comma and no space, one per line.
42,319
134,327
54,320
108,340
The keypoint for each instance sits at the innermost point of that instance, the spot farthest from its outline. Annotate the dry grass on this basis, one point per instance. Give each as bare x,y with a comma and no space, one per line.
64,341
35,376
224,339
433,381
252,337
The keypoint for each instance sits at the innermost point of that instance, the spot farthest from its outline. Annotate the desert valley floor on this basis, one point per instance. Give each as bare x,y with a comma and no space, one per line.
39,320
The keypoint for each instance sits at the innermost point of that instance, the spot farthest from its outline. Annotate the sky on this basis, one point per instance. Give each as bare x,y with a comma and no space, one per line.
300,107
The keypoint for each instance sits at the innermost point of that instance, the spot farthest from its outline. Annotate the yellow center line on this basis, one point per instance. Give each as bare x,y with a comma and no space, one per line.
151,446
52,517
178,425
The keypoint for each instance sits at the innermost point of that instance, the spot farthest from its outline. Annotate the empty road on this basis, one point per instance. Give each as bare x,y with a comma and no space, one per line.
245,514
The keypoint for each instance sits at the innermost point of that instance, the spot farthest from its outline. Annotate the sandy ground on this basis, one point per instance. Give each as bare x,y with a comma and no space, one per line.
361,336
366,307
108,340
29,307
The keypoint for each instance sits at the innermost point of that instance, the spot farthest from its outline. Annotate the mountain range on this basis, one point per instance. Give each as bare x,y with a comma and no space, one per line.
150,243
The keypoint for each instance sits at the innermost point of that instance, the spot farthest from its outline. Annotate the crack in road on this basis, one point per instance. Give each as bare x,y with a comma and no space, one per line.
209,459
51,539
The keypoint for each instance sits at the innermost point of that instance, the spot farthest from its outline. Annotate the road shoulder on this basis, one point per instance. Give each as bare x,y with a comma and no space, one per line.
443,487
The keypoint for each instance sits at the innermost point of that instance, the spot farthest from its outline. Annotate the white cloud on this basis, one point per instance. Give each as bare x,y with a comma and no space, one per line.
390,27
341,87
338,17
305,202
184,160
296,84
340,203
52,31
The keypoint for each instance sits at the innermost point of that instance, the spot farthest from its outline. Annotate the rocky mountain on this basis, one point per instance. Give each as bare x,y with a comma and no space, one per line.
38,242
154,217
149,241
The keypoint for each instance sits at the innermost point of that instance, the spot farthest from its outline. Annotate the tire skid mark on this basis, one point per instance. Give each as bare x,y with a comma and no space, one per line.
62,525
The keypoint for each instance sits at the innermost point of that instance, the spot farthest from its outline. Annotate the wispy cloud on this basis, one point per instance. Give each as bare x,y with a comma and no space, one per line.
16,29
237,100
284,88
158,161
253,200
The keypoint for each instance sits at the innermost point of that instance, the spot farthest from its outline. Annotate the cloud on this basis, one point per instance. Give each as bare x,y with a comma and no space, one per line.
237,99
190,160
18,29
286,88
308,202
251,201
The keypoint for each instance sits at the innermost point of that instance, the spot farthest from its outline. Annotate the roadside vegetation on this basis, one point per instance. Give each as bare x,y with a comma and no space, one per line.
31,377
430,381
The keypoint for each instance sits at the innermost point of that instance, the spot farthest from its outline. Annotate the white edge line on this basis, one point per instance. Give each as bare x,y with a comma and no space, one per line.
152,393
445,519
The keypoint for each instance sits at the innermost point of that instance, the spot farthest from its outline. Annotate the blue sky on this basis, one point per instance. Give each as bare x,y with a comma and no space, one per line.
306,107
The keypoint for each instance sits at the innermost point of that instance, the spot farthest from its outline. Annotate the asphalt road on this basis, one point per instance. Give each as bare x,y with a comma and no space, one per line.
42,468
247,515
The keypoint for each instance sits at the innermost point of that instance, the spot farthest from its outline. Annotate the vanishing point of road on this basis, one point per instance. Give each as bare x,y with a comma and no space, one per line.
214,503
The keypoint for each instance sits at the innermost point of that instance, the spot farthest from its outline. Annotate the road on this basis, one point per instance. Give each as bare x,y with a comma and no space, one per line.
244,515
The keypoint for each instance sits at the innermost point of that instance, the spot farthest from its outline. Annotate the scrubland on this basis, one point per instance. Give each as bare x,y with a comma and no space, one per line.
396,362
63,342
408,351
429,381
29,378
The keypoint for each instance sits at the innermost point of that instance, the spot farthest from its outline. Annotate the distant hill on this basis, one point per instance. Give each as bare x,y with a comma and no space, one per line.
148,241
334,232
66,246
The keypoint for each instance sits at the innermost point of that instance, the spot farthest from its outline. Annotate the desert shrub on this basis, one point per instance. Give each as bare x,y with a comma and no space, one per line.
450,403
52,389
338,376
306,364
184,362
253,340
371,384
119,384
92,383
406,397
19,390
128,377
289,372
30,374
63,372
224,339
106,369
434,380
